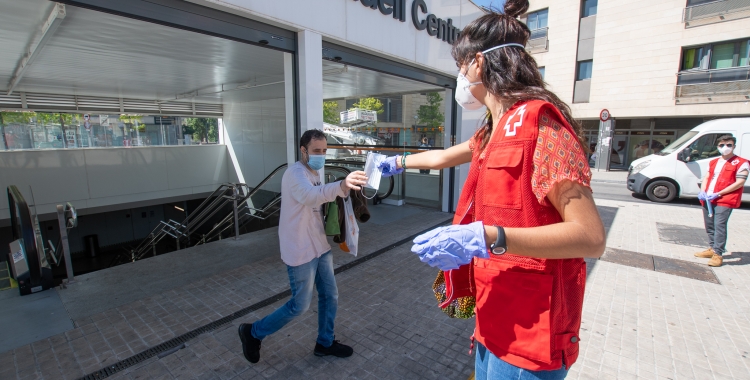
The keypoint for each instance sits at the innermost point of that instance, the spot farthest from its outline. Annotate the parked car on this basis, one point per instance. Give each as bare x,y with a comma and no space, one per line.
676,171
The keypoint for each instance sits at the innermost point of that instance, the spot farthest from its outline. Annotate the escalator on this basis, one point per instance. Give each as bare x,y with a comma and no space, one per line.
231,210
29,263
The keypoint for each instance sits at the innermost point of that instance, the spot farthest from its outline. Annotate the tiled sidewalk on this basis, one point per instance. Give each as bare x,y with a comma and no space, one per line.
636,323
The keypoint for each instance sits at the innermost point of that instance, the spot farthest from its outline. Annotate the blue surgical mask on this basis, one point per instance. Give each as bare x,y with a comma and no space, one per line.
316,161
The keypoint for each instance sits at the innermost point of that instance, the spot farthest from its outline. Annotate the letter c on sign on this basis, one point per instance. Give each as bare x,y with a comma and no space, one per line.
422,6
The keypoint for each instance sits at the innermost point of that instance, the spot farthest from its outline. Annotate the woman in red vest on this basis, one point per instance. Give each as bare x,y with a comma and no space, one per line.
526,218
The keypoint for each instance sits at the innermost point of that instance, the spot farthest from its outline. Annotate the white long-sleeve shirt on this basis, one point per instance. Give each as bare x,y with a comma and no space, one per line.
302,236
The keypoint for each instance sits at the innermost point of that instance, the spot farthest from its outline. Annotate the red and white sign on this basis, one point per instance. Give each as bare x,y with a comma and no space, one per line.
604,115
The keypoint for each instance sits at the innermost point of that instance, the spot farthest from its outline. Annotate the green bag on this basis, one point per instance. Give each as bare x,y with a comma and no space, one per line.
332,219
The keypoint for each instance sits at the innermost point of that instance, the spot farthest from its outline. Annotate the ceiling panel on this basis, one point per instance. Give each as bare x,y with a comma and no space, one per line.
99,54
341,81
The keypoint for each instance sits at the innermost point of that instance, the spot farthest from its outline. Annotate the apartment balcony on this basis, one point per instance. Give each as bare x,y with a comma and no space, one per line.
715,12
713,86
538,41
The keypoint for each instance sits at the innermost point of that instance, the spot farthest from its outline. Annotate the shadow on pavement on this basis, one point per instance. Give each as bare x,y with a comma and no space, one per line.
608,217
737,258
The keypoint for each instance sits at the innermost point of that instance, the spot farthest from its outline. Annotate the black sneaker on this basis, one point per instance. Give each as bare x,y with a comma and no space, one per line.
250,344
336,349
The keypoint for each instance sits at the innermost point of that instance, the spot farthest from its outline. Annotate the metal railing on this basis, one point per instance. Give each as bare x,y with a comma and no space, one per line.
729,74
727,85
237,196
538,40
722,10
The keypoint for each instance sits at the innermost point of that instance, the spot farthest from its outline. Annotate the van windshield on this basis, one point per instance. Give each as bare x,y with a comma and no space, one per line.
677,144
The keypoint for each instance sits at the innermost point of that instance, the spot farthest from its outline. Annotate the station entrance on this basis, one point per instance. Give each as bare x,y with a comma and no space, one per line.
168,124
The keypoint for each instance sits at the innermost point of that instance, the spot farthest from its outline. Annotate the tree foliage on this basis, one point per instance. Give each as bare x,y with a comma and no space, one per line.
370,104
202,129
430,115
331,112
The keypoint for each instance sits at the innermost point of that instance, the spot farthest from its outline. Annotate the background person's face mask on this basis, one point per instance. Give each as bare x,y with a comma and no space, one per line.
464,97
316,161
724,150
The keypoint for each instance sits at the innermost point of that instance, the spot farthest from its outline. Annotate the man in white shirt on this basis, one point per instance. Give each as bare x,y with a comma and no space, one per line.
305,250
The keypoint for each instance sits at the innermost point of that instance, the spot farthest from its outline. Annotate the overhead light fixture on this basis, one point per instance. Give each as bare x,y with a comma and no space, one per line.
179,208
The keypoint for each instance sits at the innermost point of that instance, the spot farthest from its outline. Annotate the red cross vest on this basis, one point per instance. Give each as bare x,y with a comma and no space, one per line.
528,310
727,177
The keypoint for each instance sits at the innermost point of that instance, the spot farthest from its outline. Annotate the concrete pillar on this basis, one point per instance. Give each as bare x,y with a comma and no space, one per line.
310,64
604,145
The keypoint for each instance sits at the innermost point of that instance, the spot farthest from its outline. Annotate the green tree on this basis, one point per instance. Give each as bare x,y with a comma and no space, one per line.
134,121
203,129
331,112
430,114
370,104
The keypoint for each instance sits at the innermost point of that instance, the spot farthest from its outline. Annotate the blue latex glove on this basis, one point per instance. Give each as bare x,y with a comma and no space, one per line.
389,167
702,196
713,196
450,247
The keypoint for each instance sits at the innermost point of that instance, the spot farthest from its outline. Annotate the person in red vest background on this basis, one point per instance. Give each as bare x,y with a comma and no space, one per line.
526,218
722,187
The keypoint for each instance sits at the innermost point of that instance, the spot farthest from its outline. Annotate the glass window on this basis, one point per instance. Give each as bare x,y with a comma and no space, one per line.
589,7
541,71
722,56
42,130
692,58
744,53
584,69
705,147
677,144
537,20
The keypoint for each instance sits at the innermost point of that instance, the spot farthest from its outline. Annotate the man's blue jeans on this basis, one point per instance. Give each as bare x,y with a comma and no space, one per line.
489,367
301,279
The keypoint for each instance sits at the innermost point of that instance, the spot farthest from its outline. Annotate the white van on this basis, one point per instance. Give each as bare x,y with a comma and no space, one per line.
678,169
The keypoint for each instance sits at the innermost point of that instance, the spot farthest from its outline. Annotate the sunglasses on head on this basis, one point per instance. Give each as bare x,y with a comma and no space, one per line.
728,145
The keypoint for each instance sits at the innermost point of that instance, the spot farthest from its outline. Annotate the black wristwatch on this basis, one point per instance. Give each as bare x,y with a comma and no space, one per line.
499,246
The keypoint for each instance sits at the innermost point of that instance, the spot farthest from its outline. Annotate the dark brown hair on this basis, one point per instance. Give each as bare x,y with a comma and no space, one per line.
727,138
310,135
509,73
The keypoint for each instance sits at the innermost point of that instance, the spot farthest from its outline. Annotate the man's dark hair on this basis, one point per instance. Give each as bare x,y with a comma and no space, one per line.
727,138
310,135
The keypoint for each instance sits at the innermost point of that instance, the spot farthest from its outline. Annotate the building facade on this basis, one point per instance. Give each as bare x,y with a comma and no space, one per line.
659,67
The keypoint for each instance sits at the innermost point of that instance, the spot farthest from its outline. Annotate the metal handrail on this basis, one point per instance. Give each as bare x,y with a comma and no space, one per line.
241,214
711,73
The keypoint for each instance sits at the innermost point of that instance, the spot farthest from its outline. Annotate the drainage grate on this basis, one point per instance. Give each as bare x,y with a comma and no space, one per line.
175,344
682,235
682,268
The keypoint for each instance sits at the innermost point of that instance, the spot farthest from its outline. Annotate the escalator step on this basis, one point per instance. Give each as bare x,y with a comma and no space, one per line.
4,283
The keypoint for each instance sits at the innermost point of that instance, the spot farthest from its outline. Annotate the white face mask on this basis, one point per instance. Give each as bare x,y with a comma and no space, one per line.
464,97
725,150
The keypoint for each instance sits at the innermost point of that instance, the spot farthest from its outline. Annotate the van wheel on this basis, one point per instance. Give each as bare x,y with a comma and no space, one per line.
661,191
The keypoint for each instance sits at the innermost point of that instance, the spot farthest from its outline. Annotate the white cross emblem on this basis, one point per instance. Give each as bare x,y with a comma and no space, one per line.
520,111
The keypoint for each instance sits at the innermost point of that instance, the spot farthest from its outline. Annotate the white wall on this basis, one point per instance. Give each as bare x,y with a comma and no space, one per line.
350,23
104,177
257,131
637,55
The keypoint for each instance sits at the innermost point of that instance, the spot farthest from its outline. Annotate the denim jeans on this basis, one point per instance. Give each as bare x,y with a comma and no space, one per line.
716,227
319,272
489,367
